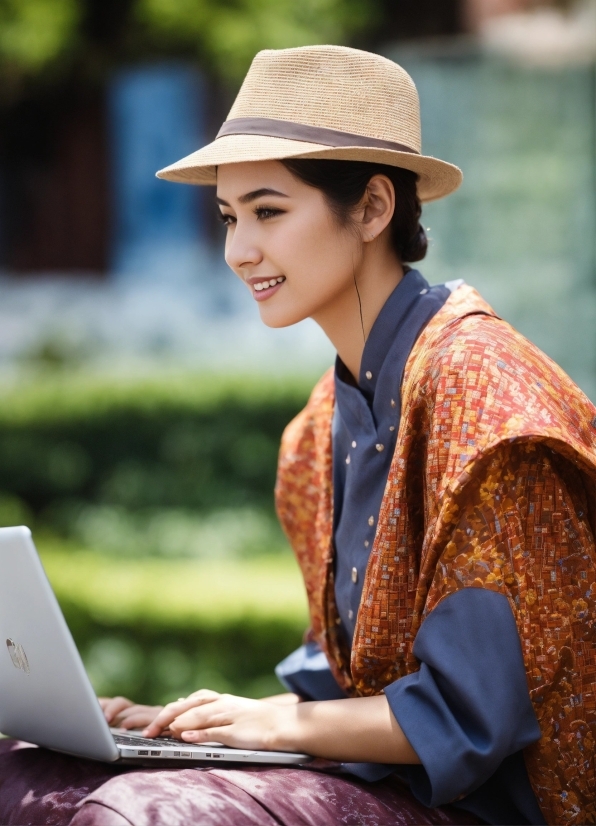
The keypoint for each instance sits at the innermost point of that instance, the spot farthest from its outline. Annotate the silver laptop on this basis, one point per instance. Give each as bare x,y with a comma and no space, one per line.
45,695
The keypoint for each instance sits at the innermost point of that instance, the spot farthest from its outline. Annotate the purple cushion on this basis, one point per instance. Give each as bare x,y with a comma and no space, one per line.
41,787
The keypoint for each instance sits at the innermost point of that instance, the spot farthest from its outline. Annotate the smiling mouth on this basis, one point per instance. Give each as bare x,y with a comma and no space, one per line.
270,282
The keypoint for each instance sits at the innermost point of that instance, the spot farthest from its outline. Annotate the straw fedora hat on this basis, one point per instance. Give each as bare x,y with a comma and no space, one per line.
322,102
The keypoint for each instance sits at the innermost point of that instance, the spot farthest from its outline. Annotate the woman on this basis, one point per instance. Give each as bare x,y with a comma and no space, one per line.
438,489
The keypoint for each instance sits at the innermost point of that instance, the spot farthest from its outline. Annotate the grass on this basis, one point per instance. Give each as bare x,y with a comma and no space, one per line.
176,593
156,629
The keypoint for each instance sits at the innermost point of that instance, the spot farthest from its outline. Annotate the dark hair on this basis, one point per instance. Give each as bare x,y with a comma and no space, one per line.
344,183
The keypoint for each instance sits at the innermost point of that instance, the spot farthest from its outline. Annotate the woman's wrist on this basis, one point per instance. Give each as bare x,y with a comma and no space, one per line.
287,699
357,730
289,730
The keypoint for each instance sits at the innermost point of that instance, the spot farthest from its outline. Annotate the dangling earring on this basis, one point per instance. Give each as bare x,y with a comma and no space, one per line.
359,306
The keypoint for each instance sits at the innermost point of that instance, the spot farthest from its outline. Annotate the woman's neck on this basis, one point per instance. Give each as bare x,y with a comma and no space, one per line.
377,275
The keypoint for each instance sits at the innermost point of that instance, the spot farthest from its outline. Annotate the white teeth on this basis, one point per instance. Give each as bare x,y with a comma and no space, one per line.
265,285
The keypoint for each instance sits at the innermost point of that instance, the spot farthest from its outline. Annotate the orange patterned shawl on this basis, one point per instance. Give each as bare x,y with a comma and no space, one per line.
477,399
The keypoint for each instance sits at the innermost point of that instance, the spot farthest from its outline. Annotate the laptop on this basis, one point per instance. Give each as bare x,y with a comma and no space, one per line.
45,695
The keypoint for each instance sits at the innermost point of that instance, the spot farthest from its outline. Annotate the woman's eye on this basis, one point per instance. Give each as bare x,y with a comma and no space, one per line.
263,213
226,219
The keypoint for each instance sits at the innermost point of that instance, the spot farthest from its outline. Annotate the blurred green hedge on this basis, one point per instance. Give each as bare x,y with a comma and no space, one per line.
195,443
151,501
158,629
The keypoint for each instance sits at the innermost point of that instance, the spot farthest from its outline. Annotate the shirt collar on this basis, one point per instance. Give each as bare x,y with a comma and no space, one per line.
383,332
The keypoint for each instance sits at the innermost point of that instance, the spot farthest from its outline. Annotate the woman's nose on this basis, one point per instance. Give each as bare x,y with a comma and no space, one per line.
241,251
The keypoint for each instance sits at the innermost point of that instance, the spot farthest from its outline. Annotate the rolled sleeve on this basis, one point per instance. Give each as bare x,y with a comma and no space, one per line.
468,707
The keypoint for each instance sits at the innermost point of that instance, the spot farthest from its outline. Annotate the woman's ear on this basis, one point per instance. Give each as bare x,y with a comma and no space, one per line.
378,205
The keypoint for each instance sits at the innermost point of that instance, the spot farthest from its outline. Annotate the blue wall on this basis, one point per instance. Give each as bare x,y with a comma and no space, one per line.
155,116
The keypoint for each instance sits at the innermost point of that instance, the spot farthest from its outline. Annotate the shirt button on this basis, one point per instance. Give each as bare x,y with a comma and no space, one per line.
354,575
380,448
350,614
392,428
366,543
353,444
347,459
371,520
424,291
368,375
392,402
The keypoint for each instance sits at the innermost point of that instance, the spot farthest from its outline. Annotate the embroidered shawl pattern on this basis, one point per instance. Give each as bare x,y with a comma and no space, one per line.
479,402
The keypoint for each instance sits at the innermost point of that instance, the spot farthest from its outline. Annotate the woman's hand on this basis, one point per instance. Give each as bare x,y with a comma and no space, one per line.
206,716
123,713
355,730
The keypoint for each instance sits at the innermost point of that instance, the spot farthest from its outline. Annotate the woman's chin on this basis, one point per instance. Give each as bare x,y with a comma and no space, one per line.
278,317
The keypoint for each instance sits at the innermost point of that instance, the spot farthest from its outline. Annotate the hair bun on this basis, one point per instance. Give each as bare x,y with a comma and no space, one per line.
416,248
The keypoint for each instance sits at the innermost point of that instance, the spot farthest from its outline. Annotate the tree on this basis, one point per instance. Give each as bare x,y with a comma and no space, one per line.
34,33
222,35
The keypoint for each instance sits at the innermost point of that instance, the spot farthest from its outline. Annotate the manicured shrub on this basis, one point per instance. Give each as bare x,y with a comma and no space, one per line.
192,442
156,629
152,503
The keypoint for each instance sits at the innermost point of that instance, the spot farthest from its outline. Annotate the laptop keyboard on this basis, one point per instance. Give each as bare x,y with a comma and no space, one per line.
146,747
125,740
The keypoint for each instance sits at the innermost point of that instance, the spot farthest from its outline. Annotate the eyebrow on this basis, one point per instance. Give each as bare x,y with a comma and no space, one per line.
252,196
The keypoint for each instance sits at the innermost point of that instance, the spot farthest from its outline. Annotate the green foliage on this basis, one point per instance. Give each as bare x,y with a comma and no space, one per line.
223,35
230,33
170,481
184,458
175,594
36,32
229,533
155,630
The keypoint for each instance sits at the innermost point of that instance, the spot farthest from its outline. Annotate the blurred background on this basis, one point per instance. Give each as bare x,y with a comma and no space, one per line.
142,400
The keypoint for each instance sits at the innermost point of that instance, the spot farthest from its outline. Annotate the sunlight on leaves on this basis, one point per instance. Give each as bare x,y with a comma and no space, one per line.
35,32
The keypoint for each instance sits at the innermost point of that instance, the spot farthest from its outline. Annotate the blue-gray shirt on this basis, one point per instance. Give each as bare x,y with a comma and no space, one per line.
467,712
365,423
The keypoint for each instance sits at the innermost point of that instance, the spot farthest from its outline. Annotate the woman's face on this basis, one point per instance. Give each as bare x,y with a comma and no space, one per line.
284,242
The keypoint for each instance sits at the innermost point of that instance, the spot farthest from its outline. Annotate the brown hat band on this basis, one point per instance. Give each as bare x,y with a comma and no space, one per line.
273,128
